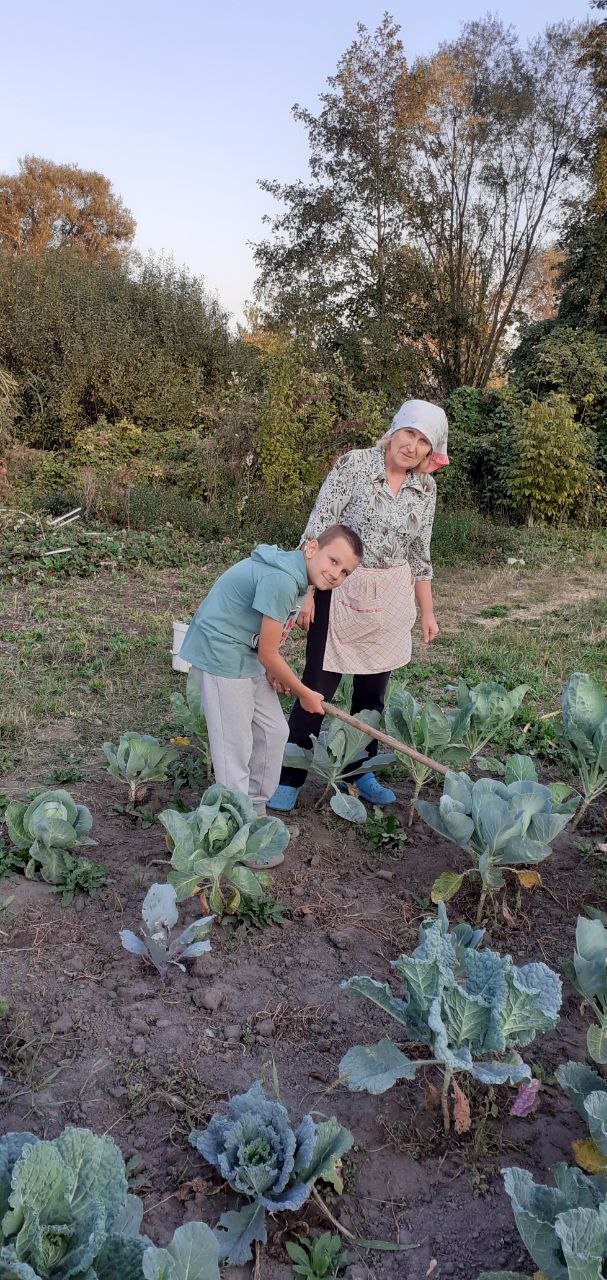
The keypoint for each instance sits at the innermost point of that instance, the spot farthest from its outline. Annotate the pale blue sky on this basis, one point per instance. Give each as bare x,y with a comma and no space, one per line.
184,106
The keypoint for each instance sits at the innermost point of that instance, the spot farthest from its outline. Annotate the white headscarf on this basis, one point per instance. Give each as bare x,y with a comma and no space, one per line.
431,421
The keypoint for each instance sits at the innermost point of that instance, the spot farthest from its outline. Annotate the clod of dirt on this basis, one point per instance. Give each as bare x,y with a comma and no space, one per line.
210,999
265,1028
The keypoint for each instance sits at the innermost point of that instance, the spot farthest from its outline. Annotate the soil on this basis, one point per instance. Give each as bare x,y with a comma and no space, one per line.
93,1037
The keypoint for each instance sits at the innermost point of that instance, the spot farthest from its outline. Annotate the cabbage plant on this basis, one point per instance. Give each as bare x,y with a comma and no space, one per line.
212,846
427,731
188,715
582,730
159,913
564,1227
503,826
46,828
338,759
66,1212
472,1009
588,973
255,1148
138,759
482,712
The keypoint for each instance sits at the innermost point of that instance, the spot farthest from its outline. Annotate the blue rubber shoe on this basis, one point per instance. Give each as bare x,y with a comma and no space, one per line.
284,799
370,789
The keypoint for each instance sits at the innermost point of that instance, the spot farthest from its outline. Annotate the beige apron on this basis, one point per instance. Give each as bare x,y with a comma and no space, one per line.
370,622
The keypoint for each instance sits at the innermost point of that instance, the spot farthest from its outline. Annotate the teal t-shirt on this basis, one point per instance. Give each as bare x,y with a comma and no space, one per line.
223,635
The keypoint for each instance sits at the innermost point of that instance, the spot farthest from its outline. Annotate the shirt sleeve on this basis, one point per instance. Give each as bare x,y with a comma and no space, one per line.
274,596
332,499
419,549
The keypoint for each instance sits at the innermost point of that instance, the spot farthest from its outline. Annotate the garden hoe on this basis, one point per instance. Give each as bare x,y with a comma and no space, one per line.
383,737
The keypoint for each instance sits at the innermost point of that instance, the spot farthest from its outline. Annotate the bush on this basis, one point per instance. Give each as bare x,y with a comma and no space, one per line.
481,425
551,460
86,340
308,417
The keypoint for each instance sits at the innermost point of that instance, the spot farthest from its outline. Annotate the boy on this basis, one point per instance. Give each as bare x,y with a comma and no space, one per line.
233,645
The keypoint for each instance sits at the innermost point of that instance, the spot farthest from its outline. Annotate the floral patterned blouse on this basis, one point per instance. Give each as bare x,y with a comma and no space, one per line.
394,529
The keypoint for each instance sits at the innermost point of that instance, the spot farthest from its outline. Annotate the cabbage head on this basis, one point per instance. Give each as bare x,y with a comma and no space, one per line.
66,1212
138,759
255,1148
212,846
47,827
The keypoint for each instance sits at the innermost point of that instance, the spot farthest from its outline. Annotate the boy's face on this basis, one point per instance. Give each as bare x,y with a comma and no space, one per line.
330,565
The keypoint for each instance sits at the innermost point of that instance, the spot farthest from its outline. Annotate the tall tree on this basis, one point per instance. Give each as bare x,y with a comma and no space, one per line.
332,264
50,206
432,192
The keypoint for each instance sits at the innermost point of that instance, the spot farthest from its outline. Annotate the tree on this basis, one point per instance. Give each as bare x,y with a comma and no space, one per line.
432,193
332,266
52,206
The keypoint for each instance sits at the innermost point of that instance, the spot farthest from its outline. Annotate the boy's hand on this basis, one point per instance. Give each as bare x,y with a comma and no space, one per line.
312,702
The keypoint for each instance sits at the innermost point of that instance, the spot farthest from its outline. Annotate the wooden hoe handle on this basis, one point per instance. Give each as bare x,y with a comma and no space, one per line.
331,710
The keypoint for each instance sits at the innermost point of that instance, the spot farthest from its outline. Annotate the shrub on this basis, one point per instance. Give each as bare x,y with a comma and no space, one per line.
140,340
550,462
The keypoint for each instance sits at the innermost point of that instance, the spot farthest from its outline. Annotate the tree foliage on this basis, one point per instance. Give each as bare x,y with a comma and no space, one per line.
51,206
431,192
90,338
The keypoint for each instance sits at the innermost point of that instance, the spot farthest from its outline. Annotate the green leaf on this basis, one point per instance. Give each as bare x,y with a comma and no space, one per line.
520,769
331,1141
237,1231
446,886
121,1256
375,1068
596,1041
379,993
192,1255
348,807
490,764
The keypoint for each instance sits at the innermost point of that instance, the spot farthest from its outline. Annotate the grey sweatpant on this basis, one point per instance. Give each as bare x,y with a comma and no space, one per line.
247,734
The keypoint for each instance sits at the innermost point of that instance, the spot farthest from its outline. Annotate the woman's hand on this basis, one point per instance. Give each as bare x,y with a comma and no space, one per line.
429,627
277,685
306,613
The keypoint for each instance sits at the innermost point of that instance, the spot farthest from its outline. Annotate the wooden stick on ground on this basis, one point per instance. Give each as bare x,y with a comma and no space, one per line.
384,737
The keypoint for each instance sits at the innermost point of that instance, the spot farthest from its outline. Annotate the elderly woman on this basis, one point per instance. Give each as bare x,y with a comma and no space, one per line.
387,495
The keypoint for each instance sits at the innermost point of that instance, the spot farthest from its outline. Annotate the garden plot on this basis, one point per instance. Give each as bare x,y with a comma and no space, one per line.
94,1038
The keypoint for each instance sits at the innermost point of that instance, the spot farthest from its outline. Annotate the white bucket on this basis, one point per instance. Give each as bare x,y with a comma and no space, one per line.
179,630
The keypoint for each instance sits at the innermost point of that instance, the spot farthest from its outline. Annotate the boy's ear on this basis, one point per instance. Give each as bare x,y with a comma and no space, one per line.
310,547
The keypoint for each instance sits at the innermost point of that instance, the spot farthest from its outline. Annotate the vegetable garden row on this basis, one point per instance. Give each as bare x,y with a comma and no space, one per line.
461,1009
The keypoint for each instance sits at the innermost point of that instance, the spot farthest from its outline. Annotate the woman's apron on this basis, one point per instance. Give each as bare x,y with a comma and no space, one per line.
370,622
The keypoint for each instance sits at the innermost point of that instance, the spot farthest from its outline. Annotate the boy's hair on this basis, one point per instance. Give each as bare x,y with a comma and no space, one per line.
341,531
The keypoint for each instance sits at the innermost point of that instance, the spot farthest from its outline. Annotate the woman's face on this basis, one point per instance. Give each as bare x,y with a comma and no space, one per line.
408,448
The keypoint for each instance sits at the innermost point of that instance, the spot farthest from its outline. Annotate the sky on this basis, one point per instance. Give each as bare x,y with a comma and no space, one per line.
185,105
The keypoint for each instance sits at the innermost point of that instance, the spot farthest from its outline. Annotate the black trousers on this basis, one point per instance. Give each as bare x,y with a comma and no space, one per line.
368,691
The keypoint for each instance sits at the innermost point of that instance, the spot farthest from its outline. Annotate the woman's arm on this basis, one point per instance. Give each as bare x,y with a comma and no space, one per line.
421,568
333,497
